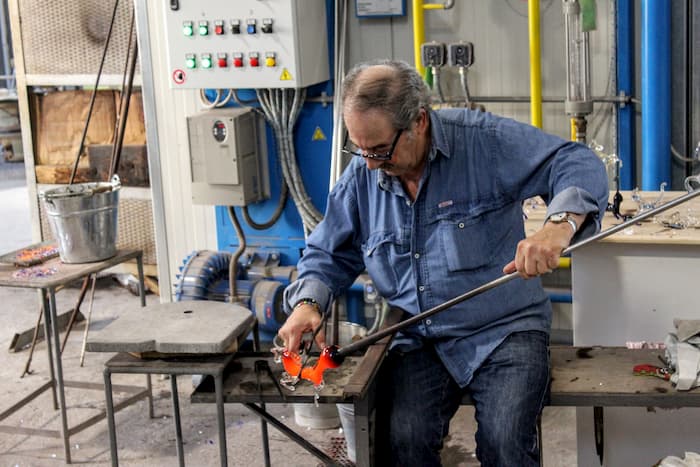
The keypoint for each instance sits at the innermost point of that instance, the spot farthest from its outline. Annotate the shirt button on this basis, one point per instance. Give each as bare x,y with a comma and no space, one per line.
460,225
421,288
428,322
416,255
408,203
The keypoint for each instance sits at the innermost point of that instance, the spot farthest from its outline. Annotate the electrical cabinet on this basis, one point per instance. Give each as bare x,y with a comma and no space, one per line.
250,44
228,157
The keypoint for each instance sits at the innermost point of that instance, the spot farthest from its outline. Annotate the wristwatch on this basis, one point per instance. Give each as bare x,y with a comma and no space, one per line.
561,217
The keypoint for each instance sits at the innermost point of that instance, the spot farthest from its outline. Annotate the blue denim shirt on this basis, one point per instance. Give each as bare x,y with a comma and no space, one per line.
458,234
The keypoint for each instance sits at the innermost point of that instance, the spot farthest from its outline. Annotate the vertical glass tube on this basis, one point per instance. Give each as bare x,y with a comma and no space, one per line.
578,89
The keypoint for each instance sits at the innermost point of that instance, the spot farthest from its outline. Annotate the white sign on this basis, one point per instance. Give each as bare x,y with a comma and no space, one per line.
380,7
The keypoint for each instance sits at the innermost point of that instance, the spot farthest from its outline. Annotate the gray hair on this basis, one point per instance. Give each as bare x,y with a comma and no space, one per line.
401,92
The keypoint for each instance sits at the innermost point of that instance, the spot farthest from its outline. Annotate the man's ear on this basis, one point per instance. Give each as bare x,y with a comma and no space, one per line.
423,121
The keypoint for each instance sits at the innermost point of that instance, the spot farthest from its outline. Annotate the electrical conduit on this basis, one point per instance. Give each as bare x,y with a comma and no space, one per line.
419,27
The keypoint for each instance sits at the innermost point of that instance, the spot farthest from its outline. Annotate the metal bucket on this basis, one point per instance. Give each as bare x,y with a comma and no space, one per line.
83,219
347,333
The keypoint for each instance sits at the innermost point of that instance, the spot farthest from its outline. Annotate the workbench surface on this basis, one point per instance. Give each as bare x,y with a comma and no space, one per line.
603,376
64,272
645,232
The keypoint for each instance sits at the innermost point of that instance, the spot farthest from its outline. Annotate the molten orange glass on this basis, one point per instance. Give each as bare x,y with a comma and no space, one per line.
292,365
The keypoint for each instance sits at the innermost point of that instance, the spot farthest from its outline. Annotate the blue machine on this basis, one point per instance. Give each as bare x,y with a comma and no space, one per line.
263,274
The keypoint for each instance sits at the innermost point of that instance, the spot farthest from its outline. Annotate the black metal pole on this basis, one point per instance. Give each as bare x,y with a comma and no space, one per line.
341,353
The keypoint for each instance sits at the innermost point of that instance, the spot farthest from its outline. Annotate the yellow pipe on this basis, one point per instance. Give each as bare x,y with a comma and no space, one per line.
573,129
418,34
418,8
533,21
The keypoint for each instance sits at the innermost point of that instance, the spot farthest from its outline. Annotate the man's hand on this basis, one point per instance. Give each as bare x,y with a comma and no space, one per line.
539,253
304,318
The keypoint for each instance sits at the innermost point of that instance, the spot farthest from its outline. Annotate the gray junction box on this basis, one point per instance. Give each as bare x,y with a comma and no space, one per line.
228,157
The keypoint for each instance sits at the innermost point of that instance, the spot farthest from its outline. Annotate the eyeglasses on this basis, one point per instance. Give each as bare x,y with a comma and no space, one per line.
350,148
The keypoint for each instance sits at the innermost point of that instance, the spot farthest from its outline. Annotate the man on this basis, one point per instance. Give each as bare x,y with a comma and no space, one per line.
432,208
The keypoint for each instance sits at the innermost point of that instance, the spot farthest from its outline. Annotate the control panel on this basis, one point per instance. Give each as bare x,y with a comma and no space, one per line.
251,44
228,157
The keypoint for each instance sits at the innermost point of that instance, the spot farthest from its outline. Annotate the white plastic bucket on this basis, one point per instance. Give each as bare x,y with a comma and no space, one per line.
325,416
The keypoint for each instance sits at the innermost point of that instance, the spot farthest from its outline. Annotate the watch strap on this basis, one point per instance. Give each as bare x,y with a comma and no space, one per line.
563,217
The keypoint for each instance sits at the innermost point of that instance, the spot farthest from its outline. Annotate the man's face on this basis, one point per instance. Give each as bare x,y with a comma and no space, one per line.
372,133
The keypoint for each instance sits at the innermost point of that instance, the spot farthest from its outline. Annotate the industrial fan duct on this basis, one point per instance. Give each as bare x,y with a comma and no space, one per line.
204,276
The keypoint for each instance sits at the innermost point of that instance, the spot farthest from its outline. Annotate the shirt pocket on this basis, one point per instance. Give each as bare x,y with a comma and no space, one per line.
379,255
468,241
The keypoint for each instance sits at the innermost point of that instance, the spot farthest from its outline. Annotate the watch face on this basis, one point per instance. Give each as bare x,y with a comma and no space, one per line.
558,217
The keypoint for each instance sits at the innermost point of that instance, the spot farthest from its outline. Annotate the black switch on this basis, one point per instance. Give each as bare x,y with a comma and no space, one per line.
174,5
266,26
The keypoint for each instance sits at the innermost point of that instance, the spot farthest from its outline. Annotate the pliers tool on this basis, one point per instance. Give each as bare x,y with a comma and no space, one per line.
261,366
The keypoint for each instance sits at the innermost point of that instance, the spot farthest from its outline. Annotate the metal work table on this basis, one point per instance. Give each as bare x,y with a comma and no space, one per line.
65,273
602,376
590,376
352,383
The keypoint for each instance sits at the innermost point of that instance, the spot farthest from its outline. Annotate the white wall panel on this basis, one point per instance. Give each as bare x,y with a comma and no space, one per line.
186,227
499,31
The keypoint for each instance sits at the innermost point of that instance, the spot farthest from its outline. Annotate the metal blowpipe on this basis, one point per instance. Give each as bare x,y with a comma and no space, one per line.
371,339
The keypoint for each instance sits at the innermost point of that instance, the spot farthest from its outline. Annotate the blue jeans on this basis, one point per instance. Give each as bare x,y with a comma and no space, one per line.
416,398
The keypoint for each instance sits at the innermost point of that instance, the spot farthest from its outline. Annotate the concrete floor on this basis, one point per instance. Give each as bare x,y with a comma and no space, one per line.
151,442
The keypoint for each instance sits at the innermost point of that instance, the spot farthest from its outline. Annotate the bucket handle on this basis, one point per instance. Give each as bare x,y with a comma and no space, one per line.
115,184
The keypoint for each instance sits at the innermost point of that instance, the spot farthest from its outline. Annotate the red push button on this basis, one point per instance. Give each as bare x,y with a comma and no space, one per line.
218,29
222,63
238,62
254,61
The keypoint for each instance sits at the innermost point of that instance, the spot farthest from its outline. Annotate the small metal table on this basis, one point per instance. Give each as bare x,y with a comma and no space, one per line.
179,338
65,274
212,365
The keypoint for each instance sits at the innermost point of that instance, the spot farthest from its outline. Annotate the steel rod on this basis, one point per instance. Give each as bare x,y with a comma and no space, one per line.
371,339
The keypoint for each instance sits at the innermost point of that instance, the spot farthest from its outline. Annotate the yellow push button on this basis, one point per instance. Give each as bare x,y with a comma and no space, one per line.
270,61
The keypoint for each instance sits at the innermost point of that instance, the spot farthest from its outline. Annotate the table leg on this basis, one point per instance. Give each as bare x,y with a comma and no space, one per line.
176,415
256,336
291,434
265,437
539,440
59,372
89,317
142,285
362,433
110,418
149,386
47,334
220,416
